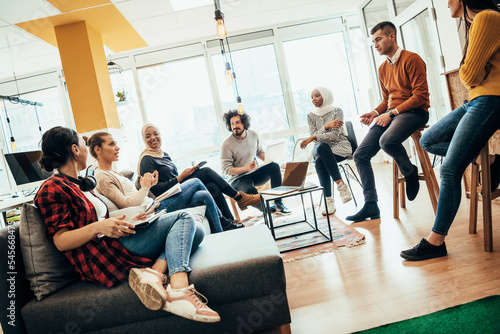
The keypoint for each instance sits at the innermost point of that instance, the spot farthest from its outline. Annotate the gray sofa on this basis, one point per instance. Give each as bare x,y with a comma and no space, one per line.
240,272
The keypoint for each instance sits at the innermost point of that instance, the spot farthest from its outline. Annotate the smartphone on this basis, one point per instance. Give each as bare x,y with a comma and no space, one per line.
201,164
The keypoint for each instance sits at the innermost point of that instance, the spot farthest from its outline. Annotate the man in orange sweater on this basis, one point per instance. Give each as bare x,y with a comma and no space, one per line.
404,109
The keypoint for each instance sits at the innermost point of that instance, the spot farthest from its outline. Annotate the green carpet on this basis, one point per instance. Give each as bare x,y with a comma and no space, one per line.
481,316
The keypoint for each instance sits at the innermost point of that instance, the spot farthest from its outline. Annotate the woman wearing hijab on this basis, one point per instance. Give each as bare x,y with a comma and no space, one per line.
331,145
154,159
122,192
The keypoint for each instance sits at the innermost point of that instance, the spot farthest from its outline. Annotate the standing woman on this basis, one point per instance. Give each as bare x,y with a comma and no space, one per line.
74,217
153,158
461,134
331,145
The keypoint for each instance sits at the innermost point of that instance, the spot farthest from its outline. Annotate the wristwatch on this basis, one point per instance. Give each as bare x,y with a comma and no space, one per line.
391,113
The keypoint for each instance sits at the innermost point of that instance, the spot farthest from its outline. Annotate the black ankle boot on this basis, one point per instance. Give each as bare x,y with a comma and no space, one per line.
229,224
369,210
412,184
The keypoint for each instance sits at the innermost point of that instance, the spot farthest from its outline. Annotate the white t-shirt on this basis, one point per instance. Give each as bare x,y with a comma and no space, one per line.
100,207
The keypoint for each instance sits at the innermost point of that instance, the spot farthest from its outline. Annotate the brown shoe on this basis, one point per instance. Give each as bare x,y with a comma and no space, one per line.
148,286
247,199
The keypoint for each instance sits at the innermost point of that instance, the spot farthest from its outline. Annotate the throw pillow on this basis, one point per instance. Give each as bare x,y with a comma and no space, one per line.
47,269
198,213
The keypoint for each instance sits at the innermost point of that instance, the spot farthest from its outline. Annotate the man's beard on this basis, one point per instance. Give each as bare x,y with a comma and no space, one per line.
238,134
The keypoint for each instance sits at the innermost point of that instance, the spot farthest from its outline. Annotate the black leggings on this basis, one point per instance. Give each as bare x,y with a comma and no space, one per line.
265,173
326,166
217,187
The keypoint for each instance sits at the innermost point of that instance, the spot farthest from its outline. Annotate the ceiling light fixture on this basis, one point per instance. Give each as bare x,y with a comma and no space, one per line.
225,51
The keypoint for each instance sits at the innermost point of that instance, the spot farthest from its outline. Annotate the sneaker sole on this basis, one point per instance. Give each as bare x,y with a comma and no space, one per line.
149,294
283,214
344,201
420,258
188,315
329,213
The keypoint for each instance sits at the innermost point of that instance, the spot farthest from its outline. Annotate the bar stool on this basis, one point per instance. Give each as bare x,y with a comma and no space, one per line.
487,195
427,175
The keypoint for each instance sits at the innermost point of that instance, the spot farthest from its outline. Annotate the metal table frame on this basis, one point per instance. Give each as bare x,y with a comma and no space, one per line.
268,219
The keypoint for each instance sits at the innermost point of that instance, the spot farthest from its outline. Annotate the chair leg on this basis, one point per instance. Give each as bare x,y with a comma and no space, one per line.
486,190
235,209
429,176
395,189
473,199
348,182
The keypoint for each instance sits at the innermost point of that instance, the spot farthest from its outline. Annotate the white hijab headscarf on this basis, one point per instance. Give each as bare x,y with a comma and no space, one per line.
156,153
326,107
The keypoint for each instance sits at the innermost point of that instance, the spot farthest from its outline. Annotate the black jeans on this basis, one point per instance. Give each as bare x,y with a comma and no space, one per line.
217,187
326,166
390,139
268,172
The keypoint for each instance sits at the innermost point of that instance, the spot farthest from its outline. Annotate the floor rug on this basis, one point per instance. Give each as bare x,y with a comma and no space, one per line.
481,316
343,235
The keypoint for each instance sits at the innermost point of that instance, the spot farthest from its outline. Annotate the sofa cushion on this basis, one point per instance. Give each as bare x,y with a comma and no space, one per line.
228,267
47,269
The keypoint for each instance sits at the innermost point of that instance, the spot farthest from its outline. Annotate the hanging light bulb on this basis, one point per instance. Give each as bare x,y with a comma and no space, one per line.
13,144
229,75
241,111
221,28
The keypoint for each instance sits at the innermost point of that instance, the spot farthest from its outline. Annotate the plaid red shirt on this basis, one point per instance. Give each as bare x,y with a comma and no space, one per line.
63,205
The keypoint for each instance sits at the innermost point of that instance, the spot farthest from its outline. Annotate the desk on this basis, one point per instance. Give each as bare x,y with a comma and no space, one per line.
311,221
12,203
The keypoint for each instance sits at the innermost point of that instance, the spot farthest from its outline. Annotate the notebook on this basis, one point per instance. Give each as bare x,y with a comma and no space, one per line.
294,179
274,152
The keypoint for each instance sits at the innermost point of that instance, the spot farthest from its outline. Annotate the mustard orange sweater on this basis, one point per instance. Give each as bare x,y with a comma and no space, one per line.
404,84
483,49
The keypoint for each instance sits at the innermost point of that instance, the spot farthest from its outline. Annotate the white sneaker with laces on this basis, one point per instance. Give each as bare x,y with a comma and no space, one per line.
148,286
190,304
330,203
345,194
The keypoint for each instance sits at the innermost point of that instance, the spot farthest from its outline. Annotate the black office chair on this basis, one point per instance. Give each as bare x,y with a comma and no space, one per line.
344,166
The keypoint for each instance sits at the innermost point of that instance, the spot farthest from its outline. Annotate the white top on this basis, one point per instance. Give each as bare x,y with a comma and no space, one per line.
129,188
100,207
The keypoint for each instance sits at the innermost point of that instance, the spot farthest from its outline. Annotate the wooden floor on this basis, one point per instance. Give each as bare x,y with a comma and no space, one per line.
366,286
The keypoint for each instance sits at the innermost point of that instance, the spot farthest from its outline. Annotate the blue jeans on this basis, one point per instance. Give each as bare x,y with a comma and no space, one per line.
459,136
173,237
326,166
194,194
390,139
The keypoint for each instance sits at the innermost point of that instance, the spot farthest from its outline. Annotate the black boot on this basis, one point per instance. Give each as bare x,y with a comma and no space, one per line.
369,210
229,224
412,184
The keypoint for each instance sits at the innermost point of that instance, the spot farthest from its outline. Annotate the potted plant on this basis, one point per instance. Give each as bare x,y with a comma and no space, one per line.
121,96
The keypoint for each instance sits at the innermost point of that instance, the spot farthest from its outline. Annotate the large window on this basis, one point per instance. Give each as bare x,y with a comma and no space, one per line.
259,86
178,99
319,61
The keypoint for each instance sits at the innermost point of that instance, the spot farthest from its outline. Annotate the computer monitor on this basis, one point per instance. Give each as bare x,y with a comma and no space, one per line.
25,169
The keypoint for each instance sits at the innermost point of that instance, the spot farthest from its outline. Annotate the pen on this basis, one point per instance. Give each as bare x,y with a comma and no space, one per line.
150,206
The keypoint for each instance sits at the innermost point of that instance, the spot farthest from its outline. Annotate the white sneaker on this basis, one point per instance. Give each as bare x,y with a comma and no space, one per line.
148,286
345,194
187,303
330,203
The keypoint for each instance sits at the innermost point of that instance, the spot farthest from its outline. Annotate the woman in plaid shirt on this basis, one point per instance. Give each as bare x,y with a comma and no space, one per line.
74,218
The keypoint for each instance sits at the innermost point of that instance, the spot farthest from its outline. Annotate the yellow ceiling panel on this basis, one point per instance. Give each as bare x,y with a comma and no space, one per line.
69,5
117,33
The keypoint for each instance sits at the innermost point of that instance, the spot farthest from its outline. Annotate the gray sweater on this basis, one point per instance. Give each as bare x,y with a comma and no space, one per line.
333,137
239,152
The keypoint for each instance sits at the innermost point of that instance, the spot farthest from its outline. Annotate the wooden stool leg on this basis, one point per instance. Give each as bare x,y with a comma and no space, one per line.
429,176
402,198
395,193
235,209
486,190
473,199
